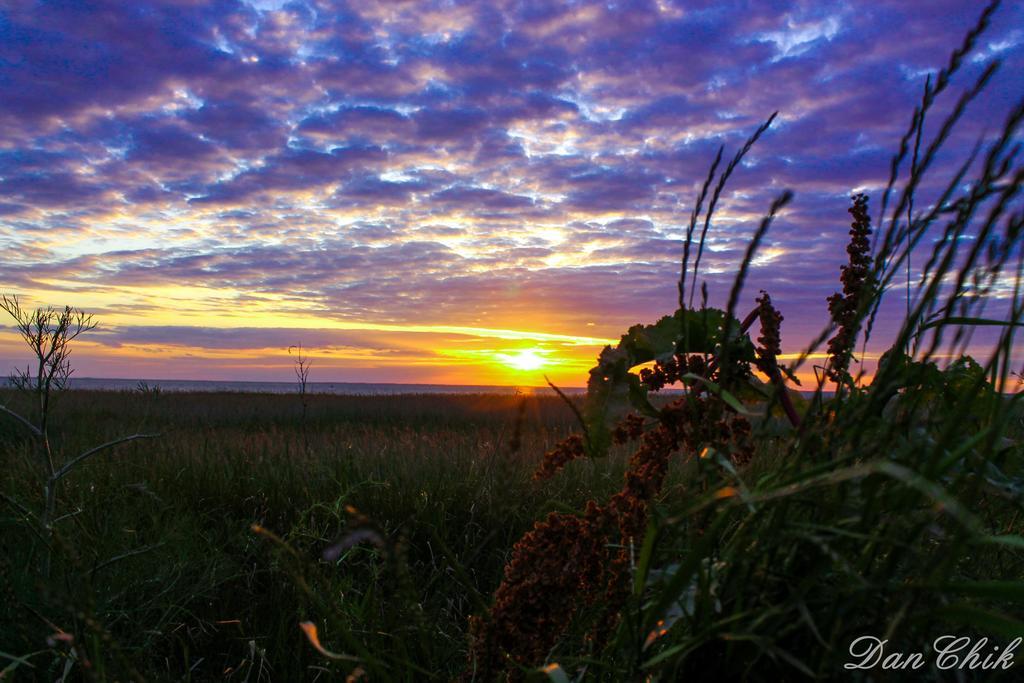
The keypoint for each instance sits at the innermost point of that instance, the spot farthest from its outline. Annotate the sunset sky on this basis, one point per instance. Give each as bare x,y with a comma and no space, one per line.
441,192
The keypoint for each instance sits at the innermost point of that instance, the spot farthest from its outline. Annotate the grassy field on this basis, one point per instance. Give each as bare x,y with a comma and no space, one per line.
159,573
205,594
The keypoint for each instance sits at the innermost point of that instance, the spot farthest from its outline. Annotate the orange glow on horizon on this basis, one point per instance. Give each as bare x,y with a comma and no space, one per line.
462,357
524,359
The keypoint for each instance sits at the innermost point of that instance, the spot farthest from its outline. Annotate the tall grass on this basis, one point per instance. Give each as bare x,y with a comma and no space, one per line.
194,585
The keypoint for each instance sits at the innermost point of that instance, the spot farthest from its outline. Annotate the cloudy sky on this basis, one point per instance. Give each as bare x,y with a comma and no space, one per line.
460,192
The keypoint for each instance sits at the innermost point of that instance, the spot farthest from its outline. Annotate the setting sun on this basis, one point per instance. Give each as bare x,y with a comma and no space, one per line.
524,359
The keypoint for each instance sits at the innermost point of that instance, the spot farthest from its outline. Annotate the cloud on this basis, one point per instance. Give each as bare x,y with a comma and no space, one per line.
516,164
472,197
293,170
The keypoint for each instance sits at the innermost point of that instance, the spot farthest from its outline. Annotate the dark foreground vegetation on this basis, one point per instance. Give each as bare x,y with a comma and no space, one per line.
737,530
159,574
196,592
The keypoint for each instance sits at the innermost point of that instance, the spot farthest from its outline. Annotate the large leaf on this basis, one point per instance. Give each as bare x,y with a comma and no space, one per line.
701,332
613,391
961,391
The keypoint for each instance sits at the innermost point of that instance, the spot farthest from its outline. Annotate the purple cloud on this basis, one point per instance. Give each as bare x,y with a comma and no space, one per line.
440,163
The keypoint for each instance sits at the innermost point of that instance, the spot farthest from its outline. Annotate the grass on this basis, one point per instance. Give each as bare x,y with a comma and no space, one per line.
198,594
435,472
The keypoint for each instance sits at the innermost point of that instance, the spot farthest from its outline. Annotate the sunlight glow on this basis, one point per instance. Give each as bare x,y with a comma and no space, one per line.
525,359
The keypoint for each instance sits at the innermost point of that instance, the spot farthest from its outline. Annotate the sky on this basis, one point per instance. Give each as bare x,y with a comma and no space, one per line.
442,192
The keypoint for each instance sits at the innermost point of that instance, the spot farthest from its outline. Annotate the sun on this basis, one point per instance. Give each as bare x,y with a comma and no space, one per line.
524,359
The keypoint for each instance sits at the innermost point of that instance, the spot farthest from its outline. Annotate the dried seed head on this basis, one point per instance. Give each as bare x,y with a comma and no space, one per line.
855,277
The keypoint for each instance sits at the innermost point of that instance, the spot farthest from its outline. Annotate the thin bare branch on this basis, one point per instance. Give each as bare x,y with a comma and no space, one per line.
24,422
17,506
780,202
573,407
124,556
722,180
71,464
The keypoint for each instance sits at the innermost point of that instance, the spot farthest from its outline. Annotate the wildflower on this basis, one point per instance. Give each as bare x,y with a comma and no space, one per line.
845,308
555,568
631,427
769,344
564,452
570,561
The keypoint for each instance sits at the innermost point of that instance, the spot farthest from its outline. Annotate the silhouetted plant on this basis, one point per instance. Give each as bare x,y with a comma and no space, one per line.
862,521
302,367
48,332
848,308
